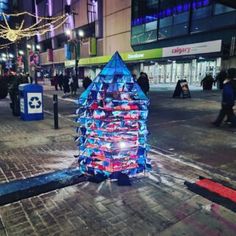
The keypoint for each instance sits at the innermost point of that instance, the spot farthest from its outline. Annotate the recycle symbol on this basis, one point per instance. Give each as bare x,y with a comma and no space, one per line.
35,103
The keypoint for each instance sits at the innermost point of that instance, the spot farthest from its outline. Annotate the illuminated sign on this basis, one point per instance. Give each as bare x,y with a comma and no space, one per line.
192,49
135,56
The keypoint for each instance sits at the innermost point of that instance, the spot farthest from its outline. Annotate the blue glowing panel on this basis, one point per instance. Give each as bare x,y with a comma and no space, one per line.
112,130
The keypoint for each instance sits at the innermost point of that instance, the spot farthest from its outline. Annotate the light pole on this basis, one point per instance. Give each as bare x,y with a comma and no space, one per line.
76,44
77,47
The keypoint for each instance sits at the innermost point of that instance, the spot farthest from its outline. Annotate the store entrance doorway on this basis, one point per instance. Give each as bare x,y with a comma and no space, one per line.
171,71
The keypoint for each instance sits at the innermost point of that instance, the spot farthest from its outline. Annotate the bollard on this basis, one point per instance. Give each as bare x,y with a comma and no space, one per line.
55,111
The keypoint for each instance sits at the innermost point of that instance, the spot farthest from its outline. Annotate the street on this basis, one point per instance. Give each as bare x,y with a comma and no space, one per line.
181,128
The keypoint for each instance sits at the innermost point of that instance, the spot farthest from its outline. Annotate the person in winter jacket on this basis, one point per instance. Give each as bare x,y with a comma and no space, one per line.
86,82
228,97
207,82
143,82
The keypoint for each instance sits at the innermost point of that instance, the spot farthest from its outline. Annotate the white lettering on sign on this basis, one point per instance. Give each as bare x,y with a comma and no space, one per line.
34,101
135,56
191,49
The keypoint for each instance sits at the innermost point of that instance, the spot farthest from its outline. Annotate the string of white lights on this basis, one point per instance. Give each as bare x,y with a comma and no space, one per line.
38,28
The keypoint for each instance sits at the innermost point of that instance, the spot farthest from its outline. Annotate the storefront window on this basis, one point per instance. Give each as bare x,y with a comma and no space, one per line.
144,21
174,17
221,9
144,11
154,20
201,15
211,16
223,16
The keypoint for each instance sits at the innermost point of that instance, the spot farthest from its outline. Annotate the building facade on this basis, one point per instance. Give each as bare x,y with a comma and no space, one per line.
168,39
196,37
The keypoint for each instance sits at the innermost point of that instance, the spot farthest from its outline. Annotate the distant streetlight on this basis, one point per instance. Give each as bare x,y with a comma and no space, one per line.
11,55
28,46
81,33
21,52
68,32
38,47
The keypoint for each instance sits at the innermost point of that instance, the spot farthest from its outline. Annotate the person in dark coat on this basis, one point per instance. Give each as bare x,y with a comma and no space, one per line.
86,82
220,79
232,76
143,82
66,85
207,82
55,80
60,81
228,97
74,85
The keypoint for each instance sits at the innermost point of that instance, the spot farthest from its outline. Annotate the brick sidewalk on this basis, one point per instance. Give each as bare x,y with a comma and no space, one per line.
146,208
156,204
32,148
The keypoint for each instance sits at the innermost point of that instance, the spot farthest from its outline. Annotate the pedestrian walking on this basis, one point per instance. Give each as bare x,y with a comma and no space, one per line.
207,82
74,85
60,81
143,82
66,85
29,78
71,83
86,82
55,81
220,77
228,100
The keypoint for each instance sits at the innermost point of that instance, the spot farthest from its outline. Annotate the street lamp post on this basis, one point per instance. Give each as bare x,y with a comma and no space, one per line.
76,43
81,35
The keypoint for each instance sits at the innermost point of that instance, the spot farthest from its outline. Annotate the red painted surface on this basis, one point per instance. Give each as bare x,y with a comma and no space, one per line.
218,188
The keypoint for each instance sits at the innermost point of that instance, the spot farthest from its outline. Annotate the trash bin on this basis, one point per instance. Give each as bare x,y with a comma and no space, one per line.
31,102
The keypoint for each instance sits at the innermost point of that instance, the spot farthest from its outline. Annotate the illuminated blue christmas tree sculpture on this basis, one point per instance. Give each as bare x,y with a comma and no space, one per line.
112,130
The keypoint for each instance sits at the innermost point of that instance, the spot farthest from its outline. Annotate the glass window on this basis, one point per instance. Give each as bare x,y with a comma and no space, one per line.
138,39
174,18
221,9
201,16
150,36
151,26
144,21
179,29
201,25
165,33
164,22
144,11
221,21
181,18
173,31
202,12
92,11
211,17
137,29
